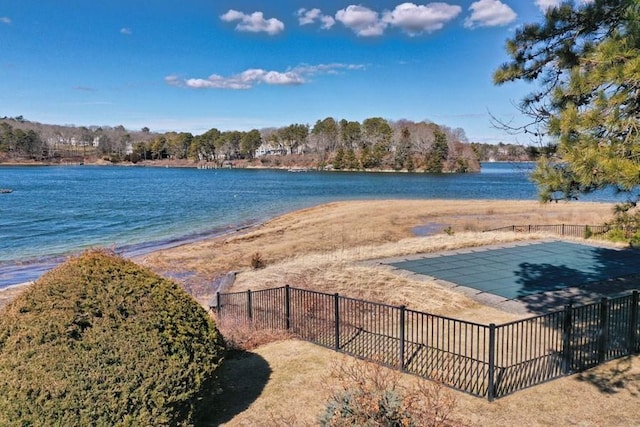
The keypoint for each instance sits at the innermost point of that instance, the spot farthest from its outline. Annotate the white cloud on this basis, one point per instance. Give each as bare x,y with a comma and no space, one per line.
255,76
253,23
361,20
5,20
416,19
232,15
489,13
307,17
411,18
126,31
545,5
327,22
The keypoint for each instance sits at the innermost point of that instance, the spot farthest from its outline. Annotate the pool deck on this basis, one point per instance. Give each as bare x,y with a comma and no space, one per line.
535,276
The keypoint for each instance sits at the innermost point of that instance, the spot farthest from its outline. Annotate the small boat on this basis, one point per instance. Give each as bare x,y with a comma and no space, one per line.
5,190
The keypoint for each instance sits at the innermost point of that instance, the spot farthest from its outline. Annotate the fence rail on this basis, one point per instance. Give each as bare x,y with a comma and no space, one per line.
571,230
489,361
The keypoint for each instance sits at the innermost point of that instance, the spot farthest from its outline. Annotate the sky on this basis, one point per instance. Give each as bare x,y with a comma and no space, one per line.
193,65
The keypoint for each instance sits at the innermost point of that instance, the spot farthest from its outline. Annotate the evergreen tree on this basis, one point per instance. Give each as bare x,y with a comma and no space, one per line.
368,159
338,160
437,154
350,160
585,57
250,142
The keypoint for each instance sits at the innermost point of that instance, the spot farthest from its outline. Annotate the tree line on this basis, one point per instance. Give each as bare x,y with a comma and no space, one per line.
373,144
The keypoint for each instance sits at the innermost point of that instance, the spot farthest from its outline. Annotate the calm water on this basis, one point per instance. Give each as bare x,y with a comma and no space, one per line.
55,211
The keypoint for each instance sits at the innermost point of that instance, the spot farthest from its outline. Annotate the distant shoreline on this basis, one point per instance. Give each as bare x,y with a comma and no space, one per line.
239,164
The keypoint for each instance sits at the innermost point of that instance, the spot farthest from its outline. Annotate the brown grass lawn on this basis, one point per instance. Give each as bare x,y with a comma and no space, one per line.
326,248
329,248
287,383
320,247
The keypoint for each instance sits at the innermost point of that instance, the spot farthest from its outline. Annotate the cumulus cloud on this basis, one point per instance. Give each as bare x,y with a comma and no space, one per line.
255,76
489,13
126,31
254,23
5,20
411,18
307,17
417,19
362,21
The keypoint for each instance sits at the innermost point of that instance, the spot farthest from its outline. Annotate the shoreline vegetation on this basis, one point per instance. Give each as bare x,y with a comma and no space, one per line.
376,144
291,166
329,248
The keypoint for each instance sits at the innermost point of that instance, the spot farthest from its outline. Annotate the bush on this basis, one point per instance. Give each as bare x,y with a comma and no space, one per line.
101,341
368,394
241,334
257,262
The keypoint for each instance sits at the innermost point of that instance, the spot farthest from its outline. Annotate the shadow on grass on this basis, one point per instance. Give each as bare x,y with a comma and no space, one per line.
241,379
616,376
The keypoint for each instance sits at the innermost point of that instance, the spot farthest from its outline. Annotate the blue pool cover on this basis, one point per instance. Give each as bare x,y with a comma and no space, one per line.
527,268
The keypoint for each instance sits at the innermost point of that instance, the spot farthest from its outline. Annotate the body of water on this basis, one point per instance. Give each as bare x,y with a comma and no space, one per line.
56,211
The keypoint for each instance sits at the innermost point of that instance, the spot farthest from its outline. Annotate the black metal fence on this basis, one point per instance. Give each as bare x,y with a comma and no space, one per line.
488,361
572,230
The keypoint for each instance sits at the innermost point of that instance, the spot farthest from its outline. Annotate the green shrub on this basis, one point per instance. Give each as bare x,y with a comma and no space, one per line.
101,341
617,235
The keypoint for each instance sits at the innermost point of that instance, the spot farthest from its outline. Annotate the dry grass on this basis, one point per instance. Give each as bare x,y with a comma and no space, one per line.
347,231
326,247
367,394
345,273
242,335
296,393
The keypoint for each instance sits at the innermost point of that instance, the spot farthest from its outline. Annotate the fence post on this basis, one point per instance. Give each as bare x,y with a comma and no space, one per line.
492,362
603,339
403,313
633,323
336,304
249,307
566,338
287,307
562,230
218,305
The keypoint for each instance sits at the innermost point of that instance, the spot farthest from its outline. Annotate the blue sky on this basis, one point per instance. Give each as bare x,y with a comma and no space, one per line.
192,65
